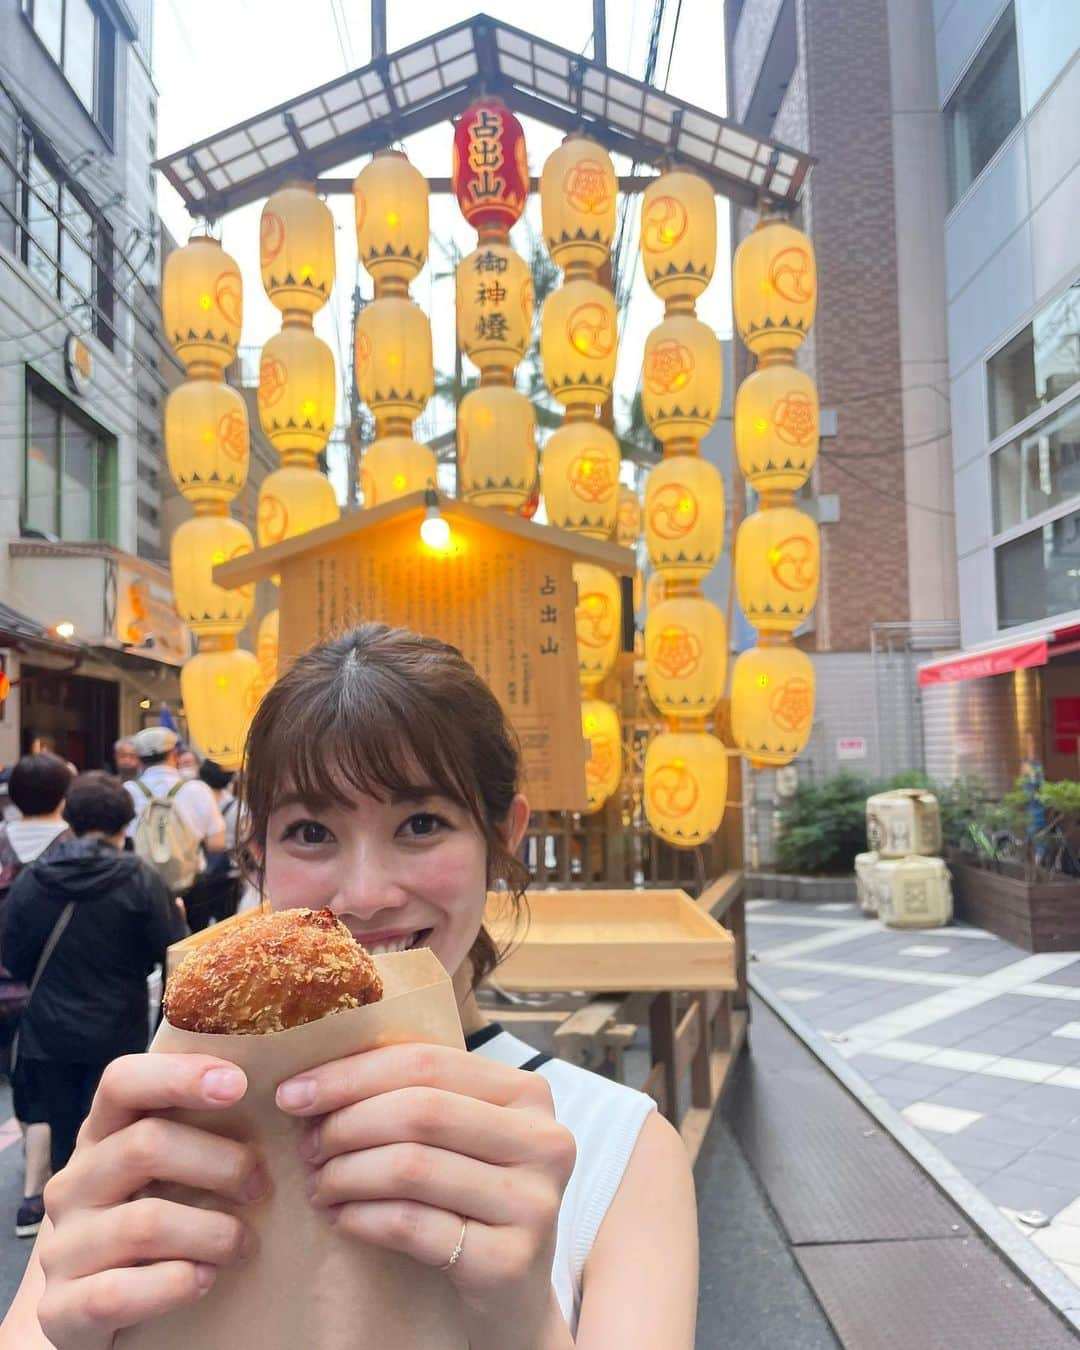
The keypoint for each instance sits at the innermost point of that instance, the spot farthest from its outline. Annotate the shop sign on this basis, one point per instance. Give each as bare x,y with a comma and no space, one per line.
851,747
976,667
147,619
1067,725
78,364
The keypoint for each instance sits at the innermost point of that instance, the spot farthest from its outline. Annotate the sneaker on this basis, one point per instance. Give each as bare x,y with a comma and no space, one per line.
28,1219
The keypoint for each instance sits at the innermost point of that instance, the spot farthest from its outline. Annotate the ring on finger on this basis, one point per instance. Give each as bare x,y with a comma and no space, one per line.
455,1255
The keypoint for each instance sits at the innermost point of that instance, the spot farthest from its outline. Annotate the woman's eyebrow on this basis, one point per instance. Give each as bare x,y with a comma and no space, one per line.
422,793
298,799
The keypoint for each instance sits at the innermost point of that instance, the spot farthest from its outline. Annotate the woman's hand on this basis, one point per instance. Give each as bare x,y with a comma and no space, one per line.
410,1141
111,1259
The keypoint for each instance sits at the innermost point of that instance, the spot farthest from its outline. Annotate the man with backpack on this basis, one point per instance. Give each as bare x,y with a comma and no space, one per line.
177,821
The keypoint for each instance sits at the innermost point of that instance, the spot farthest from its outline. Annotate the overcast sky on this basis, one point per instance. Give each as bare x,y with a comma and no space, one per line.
218,62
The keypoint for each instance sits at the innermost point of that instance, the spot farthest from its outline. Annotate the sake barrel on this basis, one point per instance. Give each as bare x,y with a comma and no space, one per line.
903,822
914,892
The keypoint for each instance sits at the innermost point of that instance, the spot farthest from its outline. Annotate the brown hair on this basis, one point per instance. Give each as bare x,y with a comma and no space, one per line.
369,710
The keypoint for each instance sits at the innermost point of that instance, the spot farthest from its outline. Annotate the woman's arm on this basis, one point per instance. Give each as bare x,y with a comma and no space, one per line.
21,1329
641,1279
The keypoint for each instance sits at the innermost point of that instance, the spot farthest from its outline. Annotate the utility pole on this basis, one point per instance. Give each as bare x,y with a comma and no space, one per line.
378,29
599,25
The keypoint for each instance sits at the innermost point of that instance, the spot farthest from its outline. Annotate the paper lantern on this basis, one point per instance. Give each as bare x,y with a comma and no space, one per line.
395,466
198,546
678,237
686,656
202,305
207,439
597,622
685,786
490,173
394,372
627,517
603,769
578,191
776,427
774,286
297,393
682,379
496,438
684,517
777,565
494,306
772,703
220,691
391,200
579,473
266,647
579,342
655,591
292,501
296,250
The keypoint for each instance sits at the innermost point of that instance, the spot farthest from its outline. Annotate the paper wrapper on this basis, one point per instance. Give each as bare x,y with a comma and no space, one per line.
308,1286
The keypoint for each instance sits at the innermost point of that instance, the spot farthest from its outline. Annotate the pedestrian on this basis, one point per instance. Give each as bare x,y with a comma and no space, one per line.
126,759
1032,781
381,780
187,762
37,785
85,926
177,821
216,893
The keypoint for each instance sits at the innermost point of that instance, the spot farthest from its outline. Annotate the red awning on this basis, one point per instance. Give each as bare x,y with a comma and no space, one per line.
977,665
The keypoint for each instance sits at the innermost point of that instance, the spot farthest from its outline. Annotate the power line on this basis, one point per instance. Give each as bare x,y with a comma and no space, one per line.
892,496
671,49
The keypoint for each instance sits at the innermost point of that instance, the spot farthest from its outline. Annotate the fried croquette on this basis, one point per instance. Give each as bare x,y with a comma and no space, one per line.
270,973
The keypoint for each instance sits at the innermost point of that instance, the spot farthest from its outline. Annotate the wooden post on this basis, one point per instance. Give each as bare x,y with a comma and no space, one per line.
700,1065
662,1045
736,925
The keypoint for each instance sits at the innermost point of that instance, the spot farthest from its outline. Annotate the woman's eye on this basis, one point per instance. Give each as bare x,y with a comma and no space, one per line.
308,832
423,823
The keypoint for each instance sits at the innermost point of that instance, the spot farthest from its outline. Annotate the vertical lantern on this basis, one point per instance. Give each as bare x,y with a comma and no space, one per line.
207,447
685,634
580,467
496,427
394,370
777,553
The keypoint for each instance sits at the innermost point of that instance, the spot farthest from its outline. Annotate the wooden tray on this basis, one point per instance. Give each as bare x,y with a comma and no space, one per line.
611,942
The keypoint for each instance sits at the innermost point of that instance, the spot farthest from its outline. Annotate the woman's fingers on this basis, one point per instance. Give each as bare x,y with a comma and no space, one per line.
144,1231
155,1150
84,1314
135,1084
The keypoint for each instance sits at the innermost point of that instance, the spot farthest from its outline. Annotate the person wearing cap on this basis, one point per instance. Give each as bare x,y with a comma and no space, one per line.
195,804
126,759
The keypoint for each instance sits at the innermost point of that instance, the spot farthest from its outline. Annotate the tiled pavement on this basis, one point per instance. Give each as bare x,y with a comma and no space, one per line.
974,1041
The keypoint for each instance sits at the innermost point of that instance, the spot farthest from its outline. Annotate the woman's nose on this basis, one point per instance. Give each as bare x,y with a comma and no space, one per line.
367,886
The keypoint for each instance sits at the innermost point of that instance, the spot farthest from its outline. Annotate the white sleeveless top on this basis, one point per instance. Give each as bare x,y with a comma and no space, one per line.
605,1119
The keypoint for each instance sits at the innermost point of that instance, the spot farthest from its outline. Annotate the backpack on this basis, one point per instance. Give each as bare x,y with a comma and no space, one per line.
164,839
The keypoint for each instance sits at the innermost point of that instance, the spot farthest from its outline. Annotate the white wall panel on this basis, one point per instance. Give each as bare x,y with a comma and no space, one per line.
983,221
991,304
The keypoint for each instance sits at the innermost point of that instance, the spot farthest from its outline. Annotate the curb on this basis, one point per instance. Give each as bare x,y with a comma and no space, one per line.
808,890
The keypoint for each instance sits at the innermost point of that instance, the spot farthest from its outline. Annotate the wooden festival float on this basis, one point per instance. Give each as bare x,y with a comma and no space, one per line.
632,743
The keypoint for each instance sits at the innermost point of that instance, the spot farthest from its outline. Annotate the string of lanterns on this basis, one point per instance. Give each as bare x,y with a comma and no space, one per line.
685,780
777,551
207,447
580,469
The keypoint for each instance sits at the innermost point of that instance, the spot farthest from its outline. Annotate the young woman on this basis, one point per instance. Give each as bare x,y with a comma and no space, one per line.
381,781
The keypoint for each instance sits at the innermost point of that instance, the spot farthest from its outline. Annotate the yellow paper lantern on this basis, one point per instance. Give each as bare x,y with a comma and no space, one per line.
494,306
296,250
198,546
678,237
202,305
391,200
627,517
578,191
777,565
685,786
774,284
207,440
394,371
772,703
579,474
292,501
603,769
579,342
297,393
395,466
686,656
266,647
682,379
776,427
496,438
684,517
220,690
655,591
597,621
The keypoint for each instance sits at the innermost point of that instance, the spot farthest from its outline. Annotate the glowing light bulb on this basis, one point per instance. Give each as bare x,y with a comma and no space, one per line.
208,436
435,530
686,505
309,408
66,629
761,425
774,556
392,219
218,557
678,763
591,724
222,681
763,681
585,468
205,301
145,704
306,271
399,480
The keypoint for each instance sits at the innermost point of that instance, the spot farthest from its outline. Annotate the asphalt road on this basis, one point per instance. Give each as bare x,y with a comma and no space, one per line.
14,1252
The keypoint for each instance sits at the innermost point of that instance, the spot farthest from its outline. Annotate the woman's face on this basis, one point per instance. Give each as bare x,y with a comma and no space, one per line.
400,873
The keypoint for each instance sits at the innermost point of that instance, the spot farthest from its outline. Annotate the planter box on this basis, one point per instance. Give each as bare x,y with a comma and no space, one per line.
1039,917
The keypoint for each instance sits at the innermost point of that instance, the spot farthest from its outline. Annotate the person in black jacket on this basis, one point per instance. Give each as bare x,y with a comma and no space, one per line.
90,1004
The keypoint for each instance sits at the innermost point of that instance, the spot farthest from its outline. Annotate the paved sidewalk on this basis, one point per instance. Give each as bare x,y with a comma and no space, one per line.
974,1042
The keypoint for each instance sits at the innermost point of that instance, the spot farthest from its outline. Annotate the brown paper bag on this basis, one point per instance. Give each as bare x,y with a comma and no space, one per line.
308,1287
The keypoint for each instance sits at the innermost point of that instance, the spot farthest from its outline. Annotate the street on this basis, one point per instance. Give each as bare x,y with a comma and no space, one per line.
14,1252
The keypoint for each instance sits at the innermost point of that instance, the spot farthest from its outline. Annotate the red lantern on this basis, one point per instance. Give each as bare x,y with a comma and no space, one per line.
491,172
532,505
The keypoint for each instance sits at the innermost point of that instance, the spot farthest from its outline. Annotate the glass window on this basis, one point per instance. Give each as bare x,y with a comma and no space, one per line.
76,253
41,213
42,465
70,469
984,109
1038,575
47,16
1049,37
82,42
1038,471
80,50
1037,365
